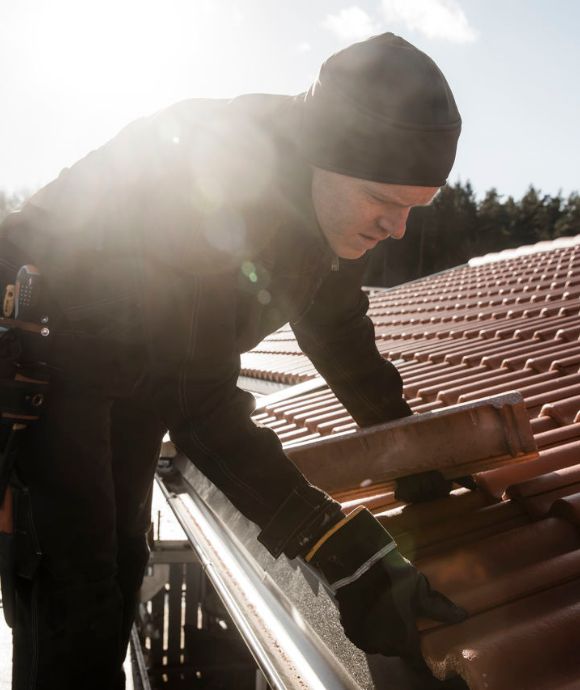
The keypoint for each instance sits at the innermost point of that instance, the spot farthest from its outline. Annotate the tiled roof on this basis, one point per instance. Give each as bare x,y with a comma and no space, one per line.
510,551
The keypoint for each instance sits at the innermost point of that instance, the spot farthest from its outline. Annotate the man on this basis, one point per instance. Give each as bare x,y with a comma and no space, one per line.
165,254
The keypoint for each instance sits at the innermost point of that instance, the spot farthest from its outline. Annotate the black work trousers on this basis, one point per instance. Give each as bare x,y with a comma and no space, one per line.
83,510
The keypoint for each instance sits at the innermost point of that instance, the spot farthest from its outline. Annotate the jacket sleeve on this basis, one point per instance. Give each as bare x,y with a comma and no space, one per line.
339,338
186,323
193,369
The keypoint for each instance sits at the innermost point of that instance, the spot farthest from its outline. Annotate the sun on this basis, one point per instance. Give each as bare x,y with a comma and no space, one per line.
130,55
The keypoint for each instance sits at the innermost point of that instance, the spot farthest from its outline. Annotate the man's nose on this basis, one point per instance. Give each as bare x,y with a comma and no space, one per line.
394,226
399,232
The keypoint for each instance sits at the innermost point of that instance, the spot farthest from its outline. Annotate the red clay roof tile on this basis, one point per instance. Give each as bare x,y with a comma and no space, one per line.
541,424
550,481
567,508
495,482
555,437
564,411
536,650
504,380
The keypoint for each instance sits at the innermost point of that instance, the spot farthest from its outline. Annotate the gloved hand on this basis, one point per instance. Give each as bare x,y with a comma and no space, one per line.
427,486
379,593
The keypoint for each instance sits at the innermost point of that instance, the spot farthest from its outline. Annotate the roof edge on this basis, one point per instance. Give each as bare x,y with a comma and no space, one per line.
524,250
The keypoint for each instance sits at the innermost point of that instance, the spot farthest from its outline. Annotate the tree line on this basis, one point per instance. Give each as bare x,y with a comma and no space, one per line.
457,227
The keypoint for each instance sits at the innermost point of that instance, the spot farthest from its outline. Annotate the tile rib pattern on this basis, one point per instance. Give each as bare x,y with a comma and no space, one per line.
509,551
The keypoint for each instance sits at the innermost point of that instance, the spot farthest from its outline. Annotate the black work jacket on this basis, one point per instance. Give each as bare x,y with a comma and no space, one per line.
181,243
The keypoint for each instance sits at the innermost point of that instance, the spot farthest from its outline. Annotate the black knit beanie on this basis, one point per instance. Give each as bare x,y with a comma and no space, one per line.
381,110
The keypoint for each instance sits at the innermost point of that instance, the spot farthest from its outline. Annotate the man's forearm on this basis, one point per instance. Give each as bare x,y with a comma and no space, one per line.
248,465
369,386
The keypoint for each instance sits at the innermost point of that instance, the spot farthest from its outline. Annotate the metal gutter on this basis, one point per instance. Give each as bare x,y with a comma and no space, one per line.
290,654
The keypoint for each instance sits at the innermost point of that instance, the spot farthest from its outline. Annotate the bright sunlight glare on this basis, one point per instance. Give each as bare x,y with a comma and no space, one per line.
92,67
131,50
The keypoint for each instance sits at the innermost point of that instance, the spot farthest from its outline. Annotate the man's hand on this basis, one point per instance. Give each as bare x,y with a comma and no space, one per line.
428,486
378,611
379,593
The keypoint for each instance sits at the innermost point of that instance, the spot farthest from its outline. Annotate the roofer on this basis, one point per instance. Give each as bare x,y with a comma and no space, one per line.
165,254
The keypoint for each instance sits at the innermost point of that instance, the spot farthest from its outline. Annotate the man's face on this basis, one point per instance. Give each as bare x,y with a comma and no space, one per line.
356,214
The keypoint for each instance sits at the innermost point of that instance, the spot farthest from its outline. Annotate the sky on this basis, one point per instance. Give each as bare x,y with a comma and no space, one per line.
73,73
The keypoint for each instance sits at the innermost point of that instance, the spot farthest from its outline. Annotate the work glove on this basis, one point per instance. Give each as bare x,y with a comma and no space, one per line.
428,486
379,593
422,486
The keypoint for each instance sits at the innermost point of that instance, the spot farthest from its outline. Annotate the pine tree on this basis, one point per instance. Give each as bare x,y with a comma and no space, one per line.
569,221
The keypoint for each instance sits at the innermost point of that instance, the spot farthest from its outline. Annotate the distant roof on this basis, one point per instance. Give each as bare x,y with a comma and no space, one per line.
525,250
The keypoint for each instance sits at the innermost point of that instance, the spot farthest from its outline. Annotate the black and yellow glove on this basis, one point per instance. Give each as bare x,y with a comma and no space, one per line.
380,594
